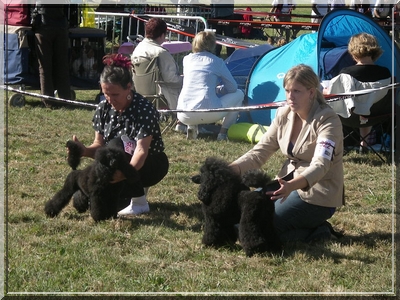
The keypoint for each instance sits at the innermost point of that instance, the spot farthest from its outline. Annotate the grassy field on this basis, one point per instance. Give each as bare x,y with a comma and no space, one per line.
161,253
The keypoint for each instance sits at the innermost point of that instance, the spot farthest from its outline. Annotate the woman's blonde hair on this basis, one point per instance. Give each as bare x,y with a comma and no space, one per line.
305,76
363,45
204,41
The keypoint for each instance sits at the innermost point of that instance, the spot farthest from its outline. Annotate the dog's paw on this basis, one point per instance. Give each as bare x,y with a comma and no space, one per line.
74,154
50,209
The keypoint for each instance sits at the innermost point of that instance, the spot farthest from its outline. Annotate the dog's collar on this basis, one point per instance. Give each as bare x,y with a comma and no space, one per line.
259,190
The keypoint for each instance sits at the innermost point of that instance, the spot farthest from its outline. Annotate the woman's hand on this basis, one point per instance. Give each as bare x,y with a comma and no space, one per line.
287,187
283,192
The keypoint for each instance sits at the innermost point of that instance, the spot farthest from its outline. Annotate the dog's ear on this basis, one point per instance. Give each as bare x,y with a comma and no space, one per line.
207,189
272,186
74,154
204,194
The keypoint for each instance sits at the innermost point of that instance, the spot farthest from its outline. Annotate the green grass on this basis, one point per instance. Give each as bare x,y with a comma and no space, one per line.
161,252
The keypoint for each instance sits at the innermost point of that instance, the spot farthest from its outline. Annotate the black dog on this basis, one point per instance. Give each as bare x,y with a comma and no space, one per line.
227,201
256,228
91,187
219,190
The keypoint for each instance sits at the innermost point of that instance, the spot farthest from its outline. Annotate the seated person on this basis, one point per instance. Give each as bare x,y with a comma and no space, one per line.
365,50
207,84
156,30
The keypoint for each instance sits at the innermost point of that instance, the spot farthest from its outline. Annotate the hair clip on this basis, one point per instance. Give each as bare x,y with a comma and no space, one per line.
117,60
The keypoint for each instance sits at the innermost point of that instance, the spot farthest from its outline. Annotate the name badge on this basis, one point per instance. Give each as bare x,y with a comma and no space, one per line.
129,144
324,148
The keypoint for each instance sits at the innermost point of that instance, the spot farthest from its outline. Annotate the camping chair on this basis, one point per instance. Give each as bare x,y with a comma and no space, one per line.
380,120
146,79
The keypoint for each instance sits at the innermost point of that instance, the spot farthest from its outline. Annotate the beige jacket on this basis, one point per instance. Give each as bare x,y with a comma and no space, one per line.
172,81
317,153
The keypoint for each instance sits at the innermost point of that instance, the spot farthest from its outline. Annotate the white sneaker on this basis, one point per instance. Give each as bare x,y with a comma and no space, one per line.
135,208
181,128
222,137
192,132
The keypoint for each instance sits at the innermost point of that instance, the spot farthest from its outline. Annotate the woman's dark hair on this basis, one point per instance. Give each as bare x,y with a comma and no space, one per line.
155,27
118,70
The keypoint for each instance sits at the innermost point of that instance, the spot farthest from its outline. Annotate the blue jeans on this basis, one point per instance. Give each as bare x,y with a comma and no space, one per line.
296,220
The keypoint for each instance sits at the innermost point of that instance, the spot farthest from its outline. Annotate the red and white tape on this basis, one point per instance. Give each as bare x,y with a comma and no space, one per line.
272,105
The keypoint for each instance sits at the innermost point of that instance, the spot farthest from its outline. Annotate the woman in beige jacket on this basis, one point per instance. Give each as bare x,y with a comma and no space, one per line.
171,85
309,133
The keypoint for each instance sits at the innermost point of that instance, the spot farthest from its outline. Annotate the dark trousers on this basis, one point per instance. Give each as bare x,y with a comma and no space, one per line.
52,53
153,171
226,30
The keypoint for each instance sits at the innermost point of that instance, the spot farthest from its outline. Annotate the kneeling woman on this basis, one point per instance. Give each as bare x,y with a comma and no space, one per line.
128,116
309,133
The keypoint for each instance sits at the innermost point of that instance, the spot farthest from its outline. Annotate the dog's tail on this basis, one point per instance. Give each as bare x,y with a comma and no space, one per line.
74,154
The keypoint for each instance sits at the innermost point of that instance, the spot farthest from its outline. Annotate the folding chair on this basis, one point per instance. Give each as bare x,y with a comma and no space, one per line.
146,79
380,119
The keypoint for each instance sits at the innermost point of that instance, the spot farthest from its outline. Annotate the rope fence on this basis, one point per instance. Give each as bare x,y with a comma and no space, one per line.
272,105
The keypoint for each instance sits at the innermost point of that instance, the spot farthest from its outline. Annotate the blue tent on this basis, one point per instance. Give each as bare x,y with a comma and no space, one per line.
242,60
266,77
325,51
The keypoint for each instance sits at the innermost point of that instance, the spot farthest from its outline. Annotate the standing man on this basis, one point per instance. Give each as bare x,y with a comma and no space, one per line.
319,8
284,10
223,11
50,26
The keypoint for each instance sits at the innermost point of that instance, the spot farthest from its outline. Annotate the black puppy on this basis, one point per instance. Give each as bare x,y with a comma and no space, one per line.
91,186
219,190
256,228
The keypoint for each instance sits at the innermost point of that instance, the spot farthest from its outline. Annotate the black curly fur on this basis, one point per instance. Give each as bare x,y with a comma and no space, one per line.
74,154
218,192
256,228
91,187
227,200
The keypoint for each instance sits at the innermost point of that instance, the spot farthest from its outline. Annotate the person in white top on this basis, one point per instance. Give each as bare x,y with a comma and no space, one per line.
207,84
